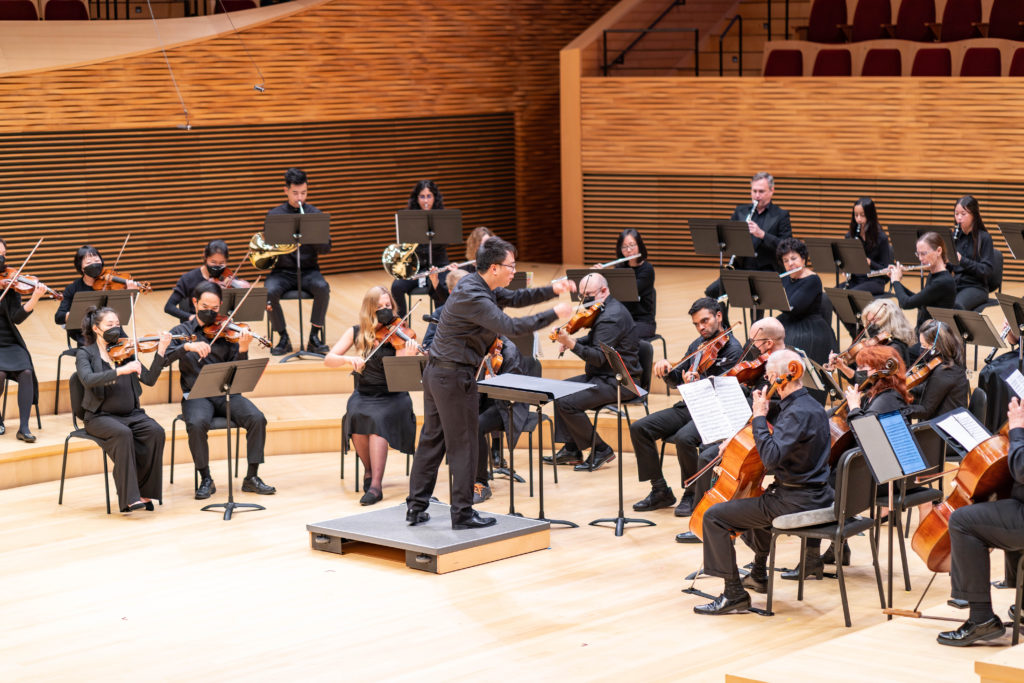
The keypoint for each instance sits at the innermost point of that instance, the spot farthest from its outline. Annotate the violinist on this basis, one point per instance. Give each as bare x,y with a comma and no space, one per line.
15,360
939,289
215,265
946,387
706,315
975,271
134,441
614,327
470,322
630,243
864,226
887,391
973,530
374,417
199,412
89,265
806,324
885,324
797,453
282,277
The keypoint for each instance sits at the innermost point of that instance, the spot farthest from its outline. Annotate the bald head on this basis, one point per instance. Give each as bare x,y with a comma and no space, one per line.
778,363
770,328
594,285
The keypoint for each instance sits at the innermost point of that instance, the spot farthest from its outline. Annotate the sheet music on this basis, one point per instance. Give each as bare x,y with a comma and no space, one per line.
719,408
903,444
1016,382
733,401
964,429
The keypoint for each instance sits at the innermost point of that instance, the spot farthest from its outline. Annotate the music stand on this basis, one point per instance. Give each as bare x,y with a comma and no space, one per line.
825,379
621,282
841,256
298,228
424,227
972,328
535,391
755,289
404,373
518,280
117,299
253,308
1014,234
904,242
849,304
952,442
713,236
225,379
1013,308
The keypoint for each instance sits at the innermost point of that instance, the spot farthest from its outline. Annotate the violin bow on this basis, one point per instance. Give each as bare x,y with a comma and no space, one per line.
915,613
393,331
17,274
118,259
230,317
706,343
238,268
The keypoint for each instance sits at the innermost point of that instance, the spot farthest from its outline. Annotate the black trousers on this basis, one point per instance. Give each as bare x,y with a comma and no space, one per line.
451,411
970,298
645,434
490,421
199,413
136,445
752,517
973,529
279,282
573,427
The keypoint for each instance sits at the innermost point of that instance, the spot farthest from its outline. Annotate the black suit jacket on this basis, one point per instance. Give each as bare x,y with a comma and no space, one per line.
96,375
775,223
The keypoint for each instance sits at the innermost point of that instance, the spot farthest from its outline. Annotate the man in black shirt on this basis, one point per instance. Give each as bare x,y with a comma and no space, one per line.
615,328
707,319
797,454
470,322
199,412
282,277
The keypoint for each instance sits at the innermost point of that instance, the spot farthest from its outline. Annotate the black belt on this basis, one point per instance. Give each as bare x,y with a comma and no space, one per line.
802,486
449,365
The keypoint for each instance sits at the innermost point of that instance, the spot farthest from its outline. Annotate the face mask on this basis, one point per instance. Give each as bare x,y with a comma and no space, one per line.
3,263
589,301
873,330
215,271
112,335
385,316
93,269
859,377
206,317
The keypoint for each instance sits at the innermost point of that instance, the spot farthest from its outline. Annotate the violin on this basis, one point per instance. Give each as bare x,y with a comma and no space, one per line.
741,470
125,348
849,356
228,280
840,436
396,334
112,279
25,284
706,354
232,331
749,372
585,317
494,359
919,373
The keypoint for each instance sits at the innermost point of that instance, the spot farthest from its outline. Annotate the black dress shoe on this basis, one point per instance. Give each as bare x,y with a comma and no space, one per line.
27,437
3,429
814,568
958,603
137,505
829,556
565,456
283,346
149,506
206,489
685,507
756,581
970,633
1001,584
316,341
414,517
656,500
254,484
371,496
474,521
724,605
687,537
1012,612
596,460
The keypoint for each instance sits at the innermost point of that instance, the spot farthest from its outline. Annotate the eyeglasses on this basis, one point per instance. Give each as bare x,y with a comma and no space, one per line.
510,266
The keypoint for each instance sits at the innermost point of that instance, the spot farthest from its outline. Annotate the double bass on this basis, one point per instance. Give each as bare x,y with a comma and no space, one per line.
741,470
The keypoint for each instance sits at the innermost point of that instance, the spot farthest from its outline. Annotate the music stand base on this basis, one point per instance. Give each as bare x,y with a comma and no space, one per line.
621,522
562,522
231,505
506,472
300,354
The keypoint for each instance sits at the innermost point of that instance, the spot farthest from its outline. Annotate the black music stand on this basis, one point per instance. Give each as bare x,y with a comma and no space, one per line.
954,444
754,289
838,255
1014,234
904,242
716,237
118,299
518,280
621,282
426,227
225,379
253,308
535,391
404,373
298,228
1013,308
849,304
972,328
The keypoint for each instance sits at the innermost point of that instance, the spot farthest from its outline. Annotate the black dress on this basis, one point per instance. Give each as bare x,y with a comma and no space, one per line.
880,256
644,310
14,355
806,329
372,409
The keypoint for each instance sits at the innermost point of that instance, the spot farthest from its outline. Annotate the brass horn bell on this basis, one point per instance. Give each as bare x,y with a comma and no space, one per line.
400,260
263,256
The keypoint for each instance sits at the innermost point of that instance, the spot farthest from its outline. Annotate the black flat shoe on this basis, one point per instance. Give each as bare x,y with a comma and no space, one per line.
687,537
474,521
756,582
254,484
27,437
415,517
149,506
813,569
685,507
829,556
596,460
970,633
206,489
724,605
137,505
565,456
371,496
656,500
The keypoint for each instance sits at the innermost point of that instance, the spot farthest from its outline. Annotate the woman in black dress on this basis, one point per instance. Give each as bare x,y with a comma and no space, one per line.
947,386
939,289
215,263
977,255
15,360
375,418
630,243
134,441
806,327
426,197
865,227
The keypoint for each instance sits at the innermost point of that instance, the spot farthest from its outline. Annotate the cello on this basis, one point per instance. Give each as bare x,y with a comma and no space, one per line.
741,470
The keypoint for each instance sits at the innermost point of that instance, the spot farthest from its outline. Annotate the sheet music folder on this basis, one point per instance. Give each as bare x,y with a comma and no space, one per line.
889,446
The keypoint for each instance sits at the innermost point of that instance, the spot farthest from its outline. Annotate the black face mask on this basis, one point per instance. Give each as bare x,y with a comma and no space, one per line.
207,316
3,263
873,330
859,376
93,269
112,335
385,316
589,301
216,271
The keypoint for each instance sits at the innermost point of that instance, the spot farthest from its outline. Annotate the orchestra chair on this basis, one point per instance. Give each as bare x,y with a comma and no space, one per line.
3,410
977,404
855,493
71,351
295,295
646,363
77,392
345,438
995,285
217,424
1017,602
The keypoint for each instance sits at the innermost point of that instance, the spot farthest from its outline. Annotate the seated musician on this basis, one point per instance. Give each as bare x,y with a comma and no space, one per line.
425,196
939,289
89,265
973,530
806,326
614,327
494,416
767,336
797,454
199,412
706,316
881,317
15,359
865,226
215,262
630,243
990,379
974,248
946,387
134,441
375,418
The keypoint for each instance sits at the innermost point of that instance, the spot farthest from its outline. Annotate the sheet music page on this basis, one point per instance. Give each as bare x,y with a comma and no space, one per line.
1016,382
734,403
965,430
707,411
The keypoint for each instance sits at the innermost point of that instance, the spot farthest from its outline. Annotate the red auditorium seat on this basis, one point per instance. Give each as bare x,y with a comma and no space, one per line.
833,63
65,10
1017,63
234,5
869,19
878,62
1006,19
959,20
18,10
784,63
981,62
912,20
824,25
932,62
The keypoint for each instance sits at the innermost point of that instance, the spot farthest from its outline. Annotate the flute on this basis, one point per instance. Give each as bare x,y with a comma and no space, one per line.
885,271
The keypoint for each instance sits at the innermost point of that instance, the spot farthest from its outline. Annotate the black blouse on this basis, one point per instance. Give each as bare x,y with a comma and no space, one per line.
974,270
939,291
946,389
645,309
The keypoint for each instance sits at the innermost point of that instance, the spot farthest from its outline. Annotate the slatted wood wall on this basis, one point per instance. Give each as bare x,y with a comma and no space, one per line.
382,67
